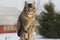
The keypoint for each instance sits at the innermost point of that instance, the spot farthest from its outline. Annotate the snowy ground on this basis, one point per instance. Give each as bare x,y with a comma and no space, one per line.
13,36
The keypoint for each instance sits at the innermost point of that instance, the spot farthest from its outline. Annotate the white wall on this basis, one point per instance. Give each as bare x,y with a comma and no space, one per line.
8,15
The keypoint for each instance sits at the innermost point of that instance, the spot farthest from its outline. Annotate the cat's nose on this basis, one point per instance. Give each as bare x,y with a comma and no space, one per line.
30,5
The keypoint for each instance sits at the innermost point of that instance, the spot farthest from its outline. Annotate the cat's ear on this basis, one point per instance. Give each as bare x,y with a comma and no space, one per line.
26,3
33,4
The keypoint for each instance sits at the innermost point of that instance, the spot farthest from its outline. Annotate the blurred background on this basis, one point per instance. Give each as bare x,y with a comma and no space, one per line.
10,11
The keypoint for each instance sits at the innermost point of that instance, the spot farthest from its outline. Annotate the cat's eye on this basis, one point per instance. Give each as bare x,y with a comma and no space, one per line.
34,8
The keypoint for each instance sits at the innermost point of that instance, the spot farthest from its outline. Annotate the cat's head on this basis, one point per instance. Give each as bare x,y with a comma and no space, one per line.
29,7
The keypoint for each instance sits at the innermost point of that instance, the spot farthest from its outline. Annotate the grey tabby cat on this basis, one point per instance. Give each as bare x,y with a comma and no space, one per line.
25,23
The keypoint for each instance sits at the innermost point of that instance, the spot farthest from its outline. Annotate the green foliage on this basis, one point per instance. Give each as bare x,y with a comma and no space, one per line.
49,22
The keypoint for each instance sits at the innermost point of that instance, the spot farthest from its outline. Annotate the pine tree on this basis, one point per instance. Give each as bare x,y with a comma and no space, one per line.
49,22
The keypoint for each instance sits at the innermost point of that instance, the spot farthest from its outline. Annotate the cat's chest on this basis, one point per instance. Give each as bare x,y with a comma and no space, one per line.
30,16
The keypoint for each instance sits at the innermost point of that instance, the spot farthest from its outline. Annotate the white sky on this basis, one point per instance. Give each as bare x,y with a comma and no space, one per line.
8,3
20,3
